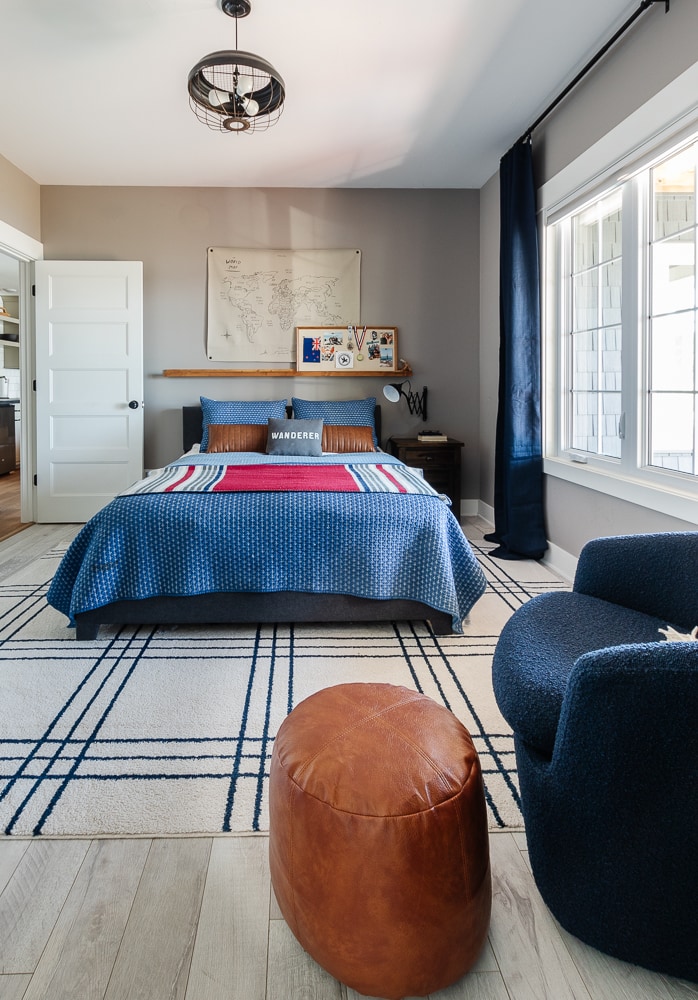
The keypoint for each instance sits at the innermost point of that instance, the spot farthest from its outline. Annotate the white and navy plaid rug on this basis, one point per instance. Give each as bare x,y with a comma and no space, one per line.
162,731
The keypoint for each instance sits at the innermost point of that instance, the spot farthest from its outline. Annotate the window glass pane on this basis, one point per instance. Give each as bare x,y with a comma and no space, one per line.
585,240
586,300
672,434
611,298
673,183
597,233
585,362
610,415
585,422
672,358
611,228
672,315
611,358
596,279
673,274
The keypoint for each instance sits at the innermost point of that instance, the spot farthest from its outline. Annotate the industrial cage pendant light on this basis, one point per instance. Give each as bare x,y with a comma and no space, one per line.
233,91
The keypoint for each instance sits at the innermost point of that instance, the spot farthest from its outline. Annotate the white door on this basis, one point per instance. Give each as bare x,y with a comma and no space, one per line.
89,385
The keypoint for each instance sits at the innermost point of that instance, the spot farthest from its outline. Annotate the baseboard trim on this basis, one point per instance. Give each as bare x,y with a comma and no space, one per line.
469,508
557,559
560,561
485,512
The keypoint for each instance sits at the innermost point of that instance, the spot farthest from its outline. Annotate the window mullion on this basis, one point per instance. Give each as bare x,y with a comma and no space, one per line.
564,317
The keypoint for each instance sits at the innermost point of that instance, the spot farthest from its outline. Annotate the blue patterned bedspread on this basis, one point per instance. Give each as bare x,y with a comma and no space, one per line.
375,545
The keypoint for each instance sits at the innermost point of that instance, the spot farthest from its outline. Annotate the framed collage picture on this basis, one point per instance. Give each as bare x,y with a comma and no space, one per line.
355,349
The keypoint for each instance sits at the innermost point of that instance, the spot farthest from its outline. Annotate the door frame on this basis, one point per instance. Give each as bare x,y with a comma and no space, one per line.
26,250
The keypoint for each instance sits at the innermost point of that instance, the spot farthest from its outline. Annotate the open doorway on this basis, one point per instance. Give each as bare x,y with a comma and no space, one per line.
10,398
23,250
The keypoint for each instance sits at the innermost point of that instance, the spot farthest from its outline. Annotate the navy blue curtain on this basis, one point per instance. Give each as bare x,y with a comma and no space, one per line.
518,488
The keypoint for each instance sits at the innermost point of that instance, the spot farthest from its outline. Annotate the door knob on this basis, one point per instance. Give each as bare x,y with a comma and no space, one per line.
133,405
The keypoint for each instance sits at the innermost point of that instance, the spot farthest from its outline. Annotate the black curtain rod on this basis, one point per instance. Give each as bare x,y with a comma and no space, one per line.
645,5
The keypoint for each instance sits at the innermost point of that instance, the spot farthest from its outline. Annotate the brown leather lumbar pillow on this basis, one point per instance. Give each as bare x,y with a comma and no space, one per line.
343,438
237,437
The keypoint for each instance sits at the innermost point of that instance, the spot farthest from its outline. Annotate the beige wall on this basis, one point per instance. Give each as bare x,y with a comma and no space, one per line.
657,49
19,200
419,272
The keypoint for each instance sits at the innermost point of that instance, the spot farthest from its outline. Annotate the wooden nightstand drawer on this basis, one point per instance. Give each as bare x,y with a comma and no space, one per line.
433,455
441,479
439,462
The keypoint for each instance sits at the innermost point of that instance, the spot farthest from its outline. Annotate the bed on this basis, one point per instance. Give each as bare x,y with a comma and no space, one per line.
241,536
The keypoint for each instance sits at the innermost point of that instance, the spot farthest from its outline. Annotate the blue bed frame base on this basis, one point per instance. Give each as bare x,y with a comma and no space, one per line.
256,608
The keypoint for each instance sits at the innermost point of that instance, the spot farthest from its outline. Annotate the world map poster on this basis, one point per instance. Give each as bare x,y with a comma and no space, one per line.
257,298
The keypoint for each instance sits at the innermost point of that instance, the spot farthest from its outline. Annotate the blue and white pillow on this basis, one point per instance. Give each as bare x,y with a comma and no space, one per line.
238,411
348,412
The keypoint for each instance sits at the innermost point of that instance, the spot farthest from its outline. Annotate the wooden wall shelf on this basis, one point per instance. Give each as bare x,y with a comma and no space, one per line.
405,372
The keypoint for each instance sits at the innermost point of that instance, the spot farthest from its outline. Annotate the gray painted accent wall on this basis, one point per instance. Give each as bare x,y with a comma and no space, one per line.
419,272
575,514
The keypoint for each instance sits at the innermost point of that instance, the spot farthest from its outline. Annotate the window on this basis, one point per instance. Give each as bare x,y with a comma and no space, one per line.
672,384
595,328
622,334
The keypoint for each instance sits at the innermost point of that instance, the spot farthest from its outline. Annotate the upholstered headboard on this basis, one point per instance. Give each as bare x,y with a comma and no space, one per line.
192,424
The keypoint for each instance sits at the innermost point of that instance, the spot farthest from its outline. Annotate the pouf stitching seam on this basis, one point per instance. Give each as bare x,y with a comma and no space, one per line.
377,716
394,816
463,853
426,757
349,729
292,880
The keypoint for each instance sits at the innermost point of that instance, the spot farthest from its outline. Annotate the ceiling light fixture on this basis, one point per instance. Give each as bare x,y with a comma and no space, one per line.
233,91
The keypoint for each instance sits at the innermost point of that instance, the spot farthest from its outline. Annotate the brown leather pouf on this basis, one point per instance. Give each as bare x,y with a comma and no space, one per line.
378,839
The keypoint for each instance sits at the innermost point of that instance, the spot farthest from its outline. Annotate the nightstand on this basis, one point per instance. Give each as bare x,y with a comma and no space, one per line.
440,463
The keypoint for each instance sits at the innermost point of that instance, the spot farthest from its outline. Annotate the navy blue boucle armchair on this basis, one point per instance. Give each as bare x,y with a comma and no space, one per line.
605,718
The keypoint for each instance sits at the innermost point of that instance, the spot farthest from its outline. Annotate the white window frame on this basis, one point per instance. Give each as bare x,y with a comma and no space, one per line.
643,135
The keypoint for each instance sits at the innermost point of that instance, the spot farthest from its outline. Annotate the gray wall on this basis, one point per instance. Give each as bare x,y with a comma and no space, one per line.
419,272
19,200
657,49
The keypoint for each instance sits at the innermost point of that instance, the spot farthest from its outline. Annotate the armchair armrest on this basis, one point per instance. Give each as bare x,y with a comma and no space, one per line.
628,722
633,703
610,817
653,573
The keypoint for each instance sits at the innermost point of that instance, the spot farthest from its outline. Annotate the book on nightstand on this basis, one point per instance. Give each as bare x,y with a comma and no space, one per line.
432,436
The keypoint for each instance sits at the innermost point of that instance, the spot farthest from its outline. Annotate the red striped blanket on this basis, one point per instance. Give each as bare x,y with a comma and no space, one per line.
256,478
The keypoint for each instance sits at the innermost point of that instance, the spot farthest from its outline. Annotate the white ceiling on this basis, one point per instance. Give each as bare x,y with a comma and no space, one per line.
391,93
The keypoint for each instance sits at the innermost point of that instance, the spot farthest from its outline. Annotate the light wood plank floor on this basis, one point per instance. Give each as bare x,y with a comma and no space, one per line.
194,918
10,522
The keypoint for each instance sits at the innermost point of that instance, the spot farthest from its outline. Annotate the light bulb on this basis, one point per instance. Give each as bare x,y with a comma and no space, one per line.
218,97
245,85
251,107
